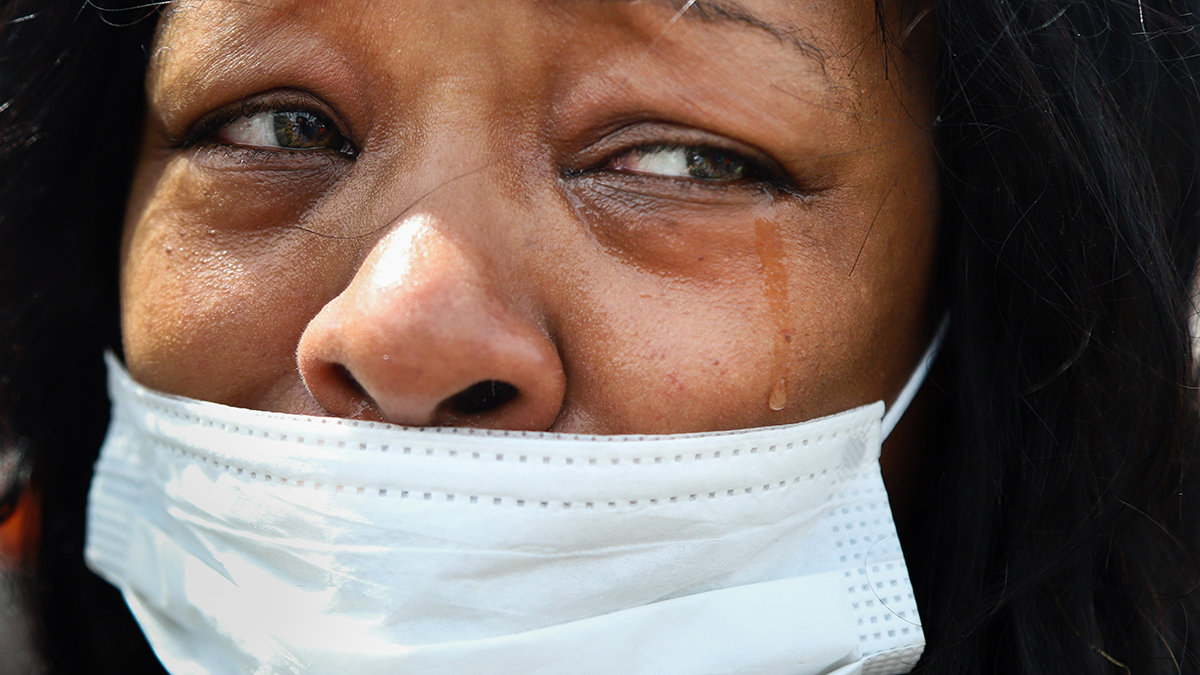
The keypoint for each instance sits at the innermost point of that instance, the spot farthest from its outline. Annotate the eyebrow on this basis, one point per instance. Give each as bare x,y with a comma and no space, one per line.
733,12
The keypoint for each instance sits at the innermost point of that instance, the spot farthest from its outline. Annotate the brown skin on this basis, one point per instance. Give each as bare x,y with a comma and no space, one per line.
487,229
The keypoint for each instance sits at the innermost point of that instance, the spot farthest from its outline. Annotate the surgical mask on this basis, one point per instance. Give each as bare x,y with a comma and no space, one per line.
257,542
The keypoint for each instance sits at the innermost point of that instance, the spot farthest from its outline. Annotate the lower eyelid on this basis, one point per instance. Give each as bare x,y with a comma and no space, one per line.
218,156
690,193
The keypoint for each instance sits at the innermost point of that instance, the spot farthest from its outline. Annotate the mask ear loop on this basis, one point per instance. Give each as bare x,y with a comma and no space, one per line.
906,395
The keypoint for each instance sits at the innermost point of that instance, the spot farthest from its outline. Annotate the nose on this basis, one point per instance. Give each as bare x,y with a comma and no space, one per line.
423,335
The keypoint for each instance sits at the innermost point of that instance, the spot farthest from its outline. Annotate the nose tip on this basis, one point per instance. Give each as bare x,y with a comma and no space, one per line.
436,345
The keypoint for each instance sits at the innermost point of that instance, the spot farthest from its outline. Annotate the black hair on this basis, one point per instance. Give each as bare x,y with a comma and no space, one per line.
1059,528
70,115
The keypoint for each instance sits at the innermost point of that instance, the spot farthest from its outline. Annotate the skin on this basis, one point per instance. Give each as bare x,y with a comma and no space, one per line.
491,225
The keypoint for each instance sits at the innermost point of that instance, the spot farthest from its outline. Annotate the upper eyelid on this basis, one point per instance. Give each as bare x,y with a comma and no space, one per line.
646,129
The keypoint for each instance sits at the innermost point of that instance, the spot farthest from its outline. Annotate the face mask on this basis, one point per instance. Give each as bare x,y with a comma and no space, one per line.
254,542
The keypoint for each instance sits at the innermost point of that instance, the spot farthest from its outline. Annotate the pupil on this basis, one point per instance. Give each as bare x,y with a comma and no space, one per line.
299,130
711,165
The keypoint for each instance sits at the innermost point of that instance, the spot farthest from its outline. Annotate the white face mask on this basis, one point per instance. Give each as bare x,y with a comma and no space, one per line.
253,542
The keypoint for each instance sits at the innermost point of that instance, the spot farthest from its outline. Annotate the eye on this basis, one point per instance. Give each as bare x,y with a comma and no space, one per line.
695,162
284,130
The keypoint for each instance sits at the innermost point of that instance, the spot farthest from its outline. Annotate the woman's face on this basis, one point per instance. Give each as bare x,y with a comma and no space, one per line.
587,216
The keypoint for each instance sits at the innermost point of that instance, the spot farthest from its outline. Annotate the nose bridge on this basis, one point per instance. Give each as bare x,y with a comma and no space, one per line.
435,326
458,229
424,271
397,255
482,105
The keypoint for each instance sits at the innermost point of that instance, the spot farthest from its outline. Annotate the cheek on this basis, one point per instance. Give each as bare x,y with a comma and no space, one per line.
648,354
217,289
685,324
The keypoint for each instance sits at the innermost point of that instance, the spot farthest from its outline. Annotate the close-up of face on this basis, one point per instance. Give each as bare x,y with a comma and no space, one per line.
583,216
599,336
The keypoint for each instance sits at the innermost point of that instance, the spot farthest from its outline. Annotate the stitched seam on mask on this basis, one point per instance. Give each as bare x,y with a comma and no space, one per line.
153,400
255,476
896,660
678,457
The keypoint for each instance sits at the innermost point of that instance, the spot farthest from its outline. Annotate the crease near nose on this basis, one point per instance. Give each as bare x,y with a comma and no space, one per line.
422,337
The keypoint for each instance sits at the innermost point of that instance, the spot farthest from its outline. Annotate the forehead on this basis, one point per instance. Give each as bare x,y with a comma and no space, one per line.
769,58
807,35
770,17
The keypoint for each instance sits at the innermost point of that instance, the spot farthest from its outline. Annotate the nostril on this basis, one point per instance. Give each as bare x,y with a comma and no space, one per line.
343,373
481,397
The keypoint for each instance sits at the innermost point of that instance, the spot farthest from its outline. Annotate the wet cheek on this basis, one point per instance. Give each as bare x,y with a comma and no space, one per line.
713,315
